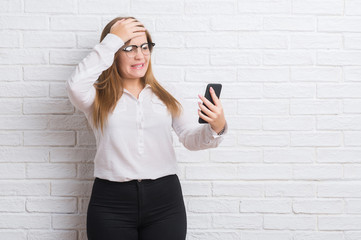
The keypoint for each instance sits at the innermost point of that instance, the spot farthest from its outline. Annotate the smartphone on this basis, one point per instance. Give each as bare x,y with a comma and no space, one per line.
217,87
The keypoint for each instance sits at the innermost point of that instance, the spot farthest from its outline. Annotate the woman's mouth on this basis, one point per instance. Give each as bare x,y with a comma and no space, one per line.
137,66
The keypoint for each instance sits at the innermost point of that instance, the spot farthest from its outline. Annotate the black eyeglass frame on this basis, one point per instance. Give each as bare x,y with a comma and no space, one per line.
149,44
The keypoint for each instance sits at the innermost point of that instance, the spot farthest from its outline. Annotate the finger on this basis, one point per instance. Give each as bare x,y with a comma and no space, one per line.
207,103
206,111
204,117
129,20
139,29
214,97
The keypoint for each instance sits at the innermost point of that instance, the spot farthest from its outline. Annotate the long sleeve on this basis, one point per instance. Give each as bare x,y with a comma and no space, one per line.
195,136
79,86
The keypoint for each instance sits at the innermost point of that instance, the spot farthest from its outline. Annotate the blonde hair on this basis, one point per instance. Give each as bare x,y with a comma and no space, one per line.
109,86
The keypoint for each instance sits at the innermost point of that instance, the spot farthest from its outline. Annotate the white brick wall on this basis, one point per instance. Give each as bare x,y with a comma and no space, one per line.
290,167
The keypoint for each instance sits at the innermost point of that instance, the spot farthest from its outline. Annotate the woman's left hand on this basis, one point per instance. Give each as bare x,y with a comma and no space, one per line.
215,115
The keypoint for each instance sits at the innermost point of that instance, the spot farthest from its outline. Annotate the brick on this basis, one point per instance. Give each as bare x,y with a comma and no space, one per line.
338,122
352,41
289,123
47,106
24,188
322,139
290,189
290,222
72,155
10,106
352,74
286,90
14,204
22,122
244,123
266,206
11,6
263,74
316,41
188,24
318,7
240,189
210,75
52,234
71,188
51,6
49,40
339,223
157,7
237,23
216,7
105,7
236,156
352,138
11,139
317,172
85,171
337,58
264,234
244,221
231,58
263,107
51,205
58,90
316,74
67,56
335,155
307,24
338,24
50,170
23,56
339,189
262,40
76,23
9,39
13,234
24,22
14,221
264,7
291,57
59,138
10,73
318,107
314,206
289,155
211,172
12,170
213,205
341,90
352,7
184,57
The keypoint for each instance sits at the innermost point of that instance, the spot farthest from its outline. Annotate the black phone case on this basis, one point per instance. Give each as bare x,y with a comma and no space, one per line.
217,89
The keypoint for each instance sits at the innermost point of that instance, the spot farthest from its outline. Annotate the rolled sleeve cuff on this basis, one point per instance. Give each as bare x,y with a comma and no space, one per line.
112,42
214,133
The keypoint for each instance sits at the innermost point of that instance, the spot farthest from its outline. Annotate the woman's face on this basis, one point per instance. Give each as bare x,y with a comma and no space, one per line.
127,66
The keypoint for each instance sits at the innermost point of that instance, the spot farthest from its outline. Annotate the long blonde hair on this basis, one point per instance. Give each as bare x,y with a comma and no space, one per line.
109,86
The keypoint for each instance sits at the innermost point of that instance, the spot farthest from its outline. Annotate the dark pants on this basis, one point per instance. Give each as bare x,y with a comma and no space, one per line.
145,210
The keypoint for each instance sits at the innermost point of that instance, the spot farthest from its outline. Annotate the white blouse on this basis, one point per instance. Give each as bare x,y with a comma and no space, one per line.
137,142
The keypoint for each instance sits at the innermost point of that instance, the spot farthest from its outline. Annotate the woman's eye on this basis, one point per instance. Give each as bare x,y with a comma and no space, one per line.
128,49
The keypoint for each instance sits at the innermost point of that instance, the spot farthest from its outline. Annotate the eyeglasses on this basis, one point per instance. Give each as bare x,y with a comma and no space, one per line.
132,50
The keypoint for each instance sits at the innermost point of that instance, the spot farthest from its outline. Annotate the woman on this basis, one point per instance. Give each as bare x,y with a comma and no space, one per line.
136,193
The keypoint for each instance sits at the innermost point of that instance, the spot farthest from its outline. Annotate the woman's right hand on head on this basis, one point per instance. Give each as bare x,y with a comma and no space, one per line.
127,29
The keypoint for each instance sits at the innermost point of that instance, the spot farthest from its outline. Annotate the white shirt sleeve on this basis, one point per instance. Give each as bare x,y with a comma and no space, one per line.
195,136
79,86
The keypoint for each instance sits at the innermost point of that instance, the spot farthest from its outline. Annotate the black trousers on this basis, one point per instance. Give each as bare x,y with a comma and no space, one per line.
137,210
